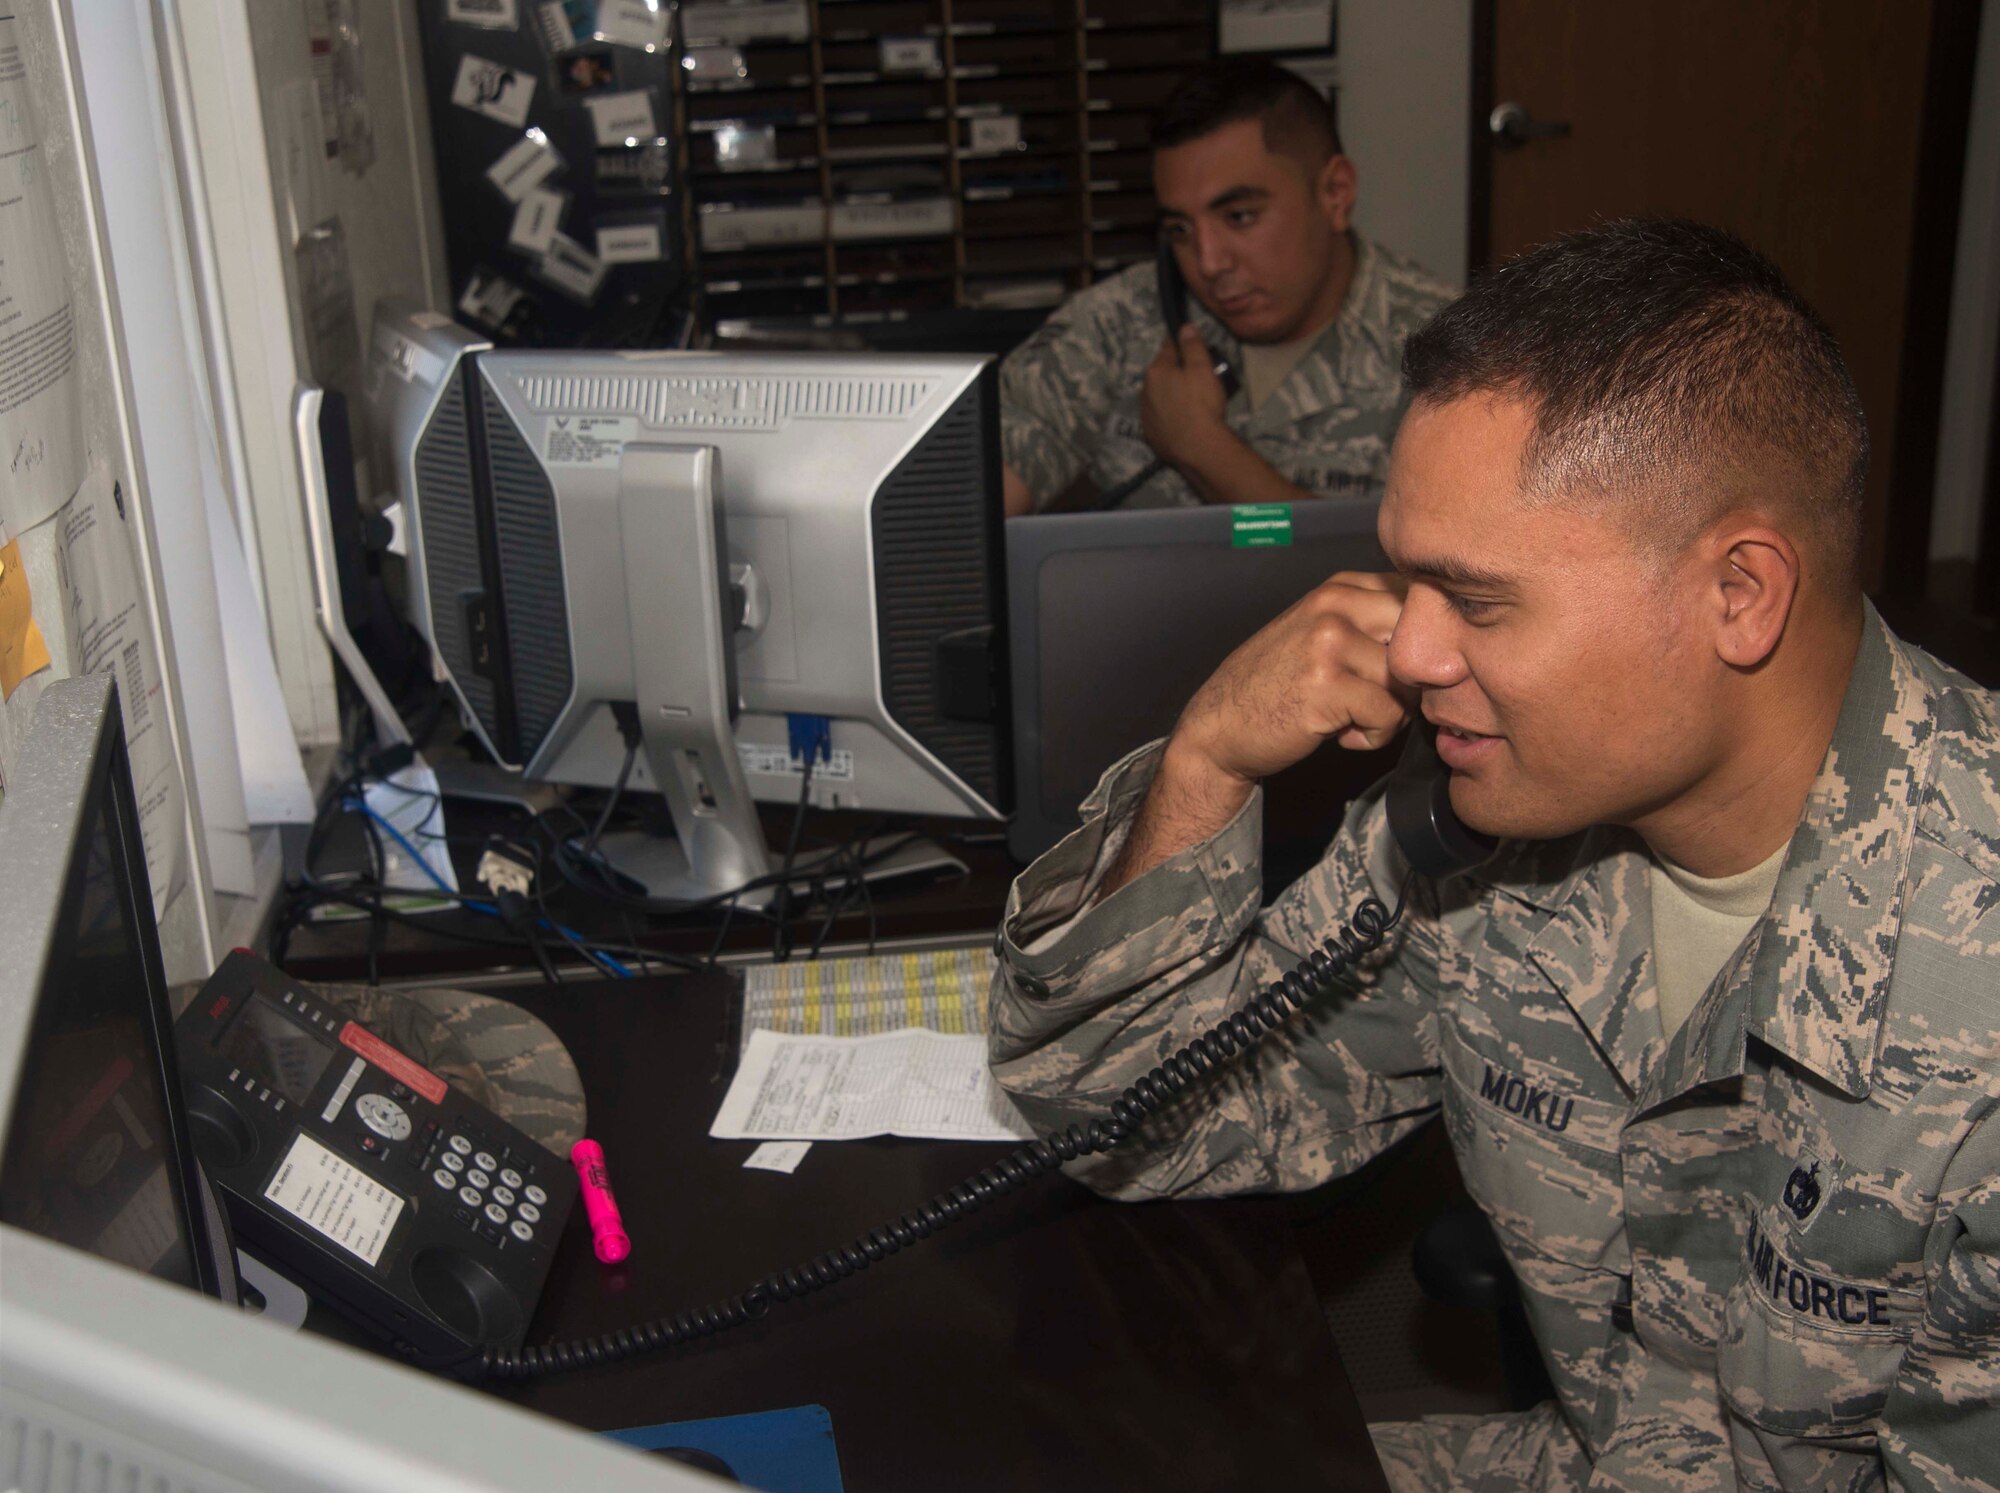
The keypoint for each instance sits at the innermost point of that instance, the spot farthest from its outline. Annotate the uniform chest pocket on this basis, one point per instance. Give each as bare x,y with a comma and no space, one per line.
1539,1157
1804,1352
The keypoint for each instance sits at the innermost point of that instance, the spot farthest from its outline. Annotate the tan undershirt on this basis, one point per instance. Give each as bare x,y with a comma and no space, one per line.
1697,923
1266,365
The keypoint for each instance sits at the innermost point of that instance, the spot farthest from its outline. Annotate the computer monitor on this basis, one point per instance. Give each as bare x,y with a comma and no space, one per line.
117,1368
800,535
1118,618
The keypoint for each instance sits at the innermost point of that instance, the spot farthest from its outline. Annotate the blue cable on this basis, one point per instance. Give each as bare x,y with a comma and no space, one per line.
603,960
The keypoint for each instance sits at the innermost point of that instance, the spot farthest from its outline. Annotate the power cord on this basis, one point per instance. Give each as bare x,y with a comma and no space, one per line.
1313,976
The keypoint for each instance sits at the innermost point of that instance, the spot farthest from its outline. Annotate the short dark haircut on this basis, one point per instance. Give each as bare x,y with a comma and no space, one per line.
1296,116
1666,359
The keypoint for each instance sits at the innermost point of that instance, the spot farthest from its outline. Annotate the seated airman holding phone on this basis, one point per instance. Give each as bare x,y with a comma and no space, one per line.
1715,1033
1256,201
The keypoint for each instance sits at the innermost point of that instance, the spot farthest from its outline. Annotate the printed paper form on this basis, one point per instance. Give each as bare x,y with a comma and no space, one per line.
914,1083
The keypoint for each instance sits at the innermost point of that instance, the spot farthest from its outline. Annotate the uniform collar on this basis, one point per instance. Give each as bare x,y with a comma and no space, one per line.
1812,977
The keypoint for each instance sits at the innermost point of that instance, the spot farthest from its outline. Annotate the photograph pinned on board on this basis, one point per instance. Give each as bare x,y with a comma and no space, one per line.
586,70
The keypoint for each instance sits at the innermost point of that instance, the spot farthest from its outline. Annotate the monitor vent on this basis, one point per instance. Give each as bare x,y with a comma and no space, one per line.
448,517
935,533
733,403
531,579
40,1457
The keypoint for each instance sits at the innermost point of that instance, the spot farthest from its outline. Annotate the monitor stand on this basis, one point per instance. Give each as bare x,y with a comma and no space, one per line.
677,601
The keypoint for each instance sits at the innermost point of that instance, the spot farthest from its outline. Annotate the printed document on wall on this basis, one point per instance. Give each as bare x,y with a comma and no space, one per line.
41,425
98,560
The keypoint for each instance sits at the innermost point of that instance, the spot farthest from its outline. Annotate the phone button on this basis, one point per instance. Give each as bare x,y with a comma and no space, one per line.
503,1195
461,1145
511,1177
530,1212
469,1196
485,1162
478,1178
520,1231
495,1213
453,1160
444,1179
535,1195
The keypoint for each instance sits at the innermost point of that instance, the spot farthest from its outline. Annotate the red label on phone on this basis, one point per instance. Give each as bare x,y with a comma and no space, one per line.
395,1064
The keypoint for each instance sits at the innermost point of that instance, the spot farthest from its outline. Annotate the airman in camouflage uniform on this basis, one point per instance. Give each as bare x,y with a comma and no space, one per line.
1770,1246
1069,395
1759,1246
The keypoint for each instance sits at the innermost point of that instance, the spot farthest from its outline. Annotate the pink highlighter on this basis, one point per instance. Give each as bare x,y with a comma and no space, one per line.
606,1227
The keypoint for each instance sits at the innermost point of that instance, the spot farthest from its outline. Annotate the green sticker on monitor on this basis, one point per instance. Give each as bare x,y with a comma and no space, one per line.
1260,526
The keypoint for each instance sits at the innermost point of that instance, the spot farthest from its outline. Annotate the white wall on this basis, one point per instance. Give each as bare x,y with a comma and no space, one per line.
1966,420
1405,102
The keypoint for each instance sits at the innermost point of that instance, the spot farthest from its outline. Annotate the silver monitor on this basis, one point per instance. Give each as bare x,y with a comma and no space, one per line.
725,541
118,1367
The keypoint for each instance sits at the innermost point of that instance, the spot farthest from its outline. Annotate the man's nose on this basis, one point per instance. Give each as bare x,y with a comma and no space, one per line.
1423,651
1211,253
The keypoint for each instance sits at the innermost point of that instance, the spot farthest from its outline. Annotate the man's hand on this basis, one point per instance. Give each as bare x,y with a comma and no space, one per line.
1319,672
1181,405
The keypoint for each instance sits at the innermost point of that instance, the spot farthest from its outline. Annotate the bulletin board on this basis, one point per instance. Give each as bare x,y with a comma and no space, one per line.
558,170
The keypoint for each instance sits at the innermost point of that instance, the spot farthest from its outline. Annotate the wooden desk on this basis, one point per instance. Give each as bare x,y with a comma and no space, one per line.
1052,1341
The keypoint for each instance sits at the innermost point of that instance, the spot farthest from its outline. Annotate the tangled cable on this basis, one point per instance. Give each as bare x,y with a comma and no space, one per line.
1311,977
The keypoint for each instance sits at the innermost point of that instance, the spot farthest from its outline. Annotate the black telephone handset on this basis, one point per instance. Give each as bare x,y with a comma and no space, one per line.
1421,820
1432,840
1174,309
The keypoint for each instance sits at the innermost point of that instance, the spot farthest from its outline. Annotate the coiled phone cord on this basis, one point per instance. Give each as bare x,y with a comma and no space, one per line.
1311,977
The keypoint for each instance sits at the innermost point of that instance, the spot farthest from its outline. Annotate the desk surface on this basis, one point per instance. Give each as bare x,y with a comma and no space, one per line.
1052,1341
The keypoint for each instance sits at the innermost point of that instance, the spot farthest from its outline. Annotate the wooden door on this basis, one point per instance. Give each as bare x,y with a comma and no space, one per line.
1797,124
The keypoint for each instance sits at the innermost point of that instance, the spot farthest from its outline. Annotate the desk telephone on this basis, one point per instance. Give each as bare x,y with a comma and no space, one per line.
1174,312
1431,839
397,1199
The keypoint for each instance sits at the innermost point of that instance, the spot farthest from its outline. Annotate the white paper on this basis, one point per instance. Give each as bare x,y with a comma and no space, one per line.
41,427
622,118
302,155
529,163
997,132
494,15
335,1197
493,89
409,800
779,1156
490,299
632,23
98,560
572,268
629,243
914,1083
556,29
907,54
275,790
1275,25
536,221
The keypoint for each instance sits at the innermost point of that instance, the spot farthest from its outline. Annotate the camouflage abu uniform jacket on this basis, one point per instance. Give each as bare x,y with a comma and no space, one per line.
1069,395
1799,1195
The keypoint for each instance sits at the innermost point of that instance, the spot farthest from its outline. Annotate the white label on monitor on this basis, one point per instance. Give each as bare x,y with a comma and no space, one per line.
777,761
588,440
340,1200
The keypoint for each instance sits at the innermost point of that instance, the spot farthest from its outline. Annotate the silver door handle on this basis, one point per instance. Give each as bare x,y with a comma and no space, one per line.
1512,124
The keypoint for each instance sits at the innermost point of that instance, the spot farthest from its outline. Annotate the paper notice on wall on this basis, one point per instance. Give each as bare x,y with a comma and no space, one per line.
493,89
98,560
633,23
622,118
536,221
530,162
41,426
23,649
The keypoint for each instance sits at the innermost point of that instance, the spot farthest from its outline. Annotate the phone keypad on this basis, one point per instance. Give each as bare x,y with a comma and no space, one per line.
470,1168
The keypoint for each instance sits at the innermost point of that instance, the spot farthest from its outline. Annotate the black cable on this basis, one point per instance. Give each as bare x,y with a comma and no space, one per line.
781,935
1313,976
611,803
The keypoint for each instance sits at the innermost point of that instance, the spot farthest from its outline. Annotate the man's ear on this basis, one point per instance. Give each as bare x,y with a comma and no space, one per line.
1755,572
1335,189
